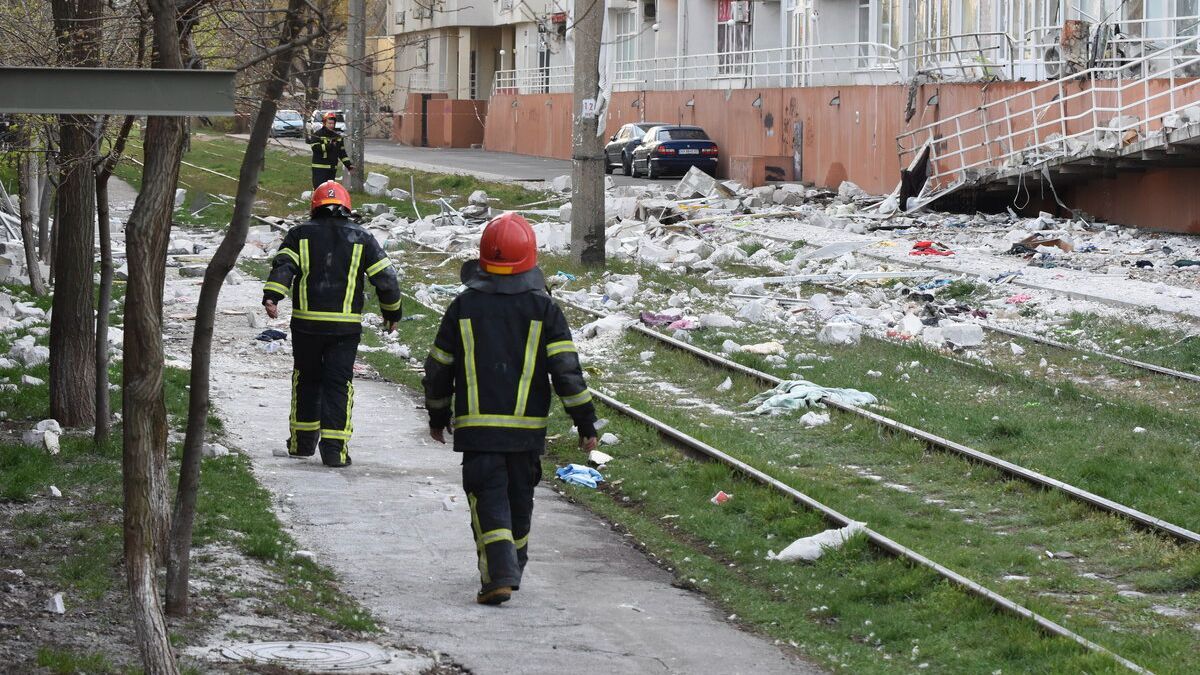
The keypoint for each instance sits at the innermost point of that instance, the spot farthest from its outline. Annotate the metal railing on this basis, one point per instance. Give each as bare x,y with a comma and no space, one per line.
548,80
1119,43
1095,112
426,82
968,56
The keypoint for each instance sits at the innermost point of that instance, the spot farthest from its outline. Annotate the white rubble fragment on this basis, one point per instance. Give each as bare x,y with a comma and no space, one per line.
1017,350
764,348
911,325
478,198
598,459
55,492
31,381
646,356
1139,430
304,555
809,549
55,604
963,334
874,373
49,425
561,183
306,196
214,450
840,333
849,191
822,306
376,184
448,503
27,353
814,419
717,321
730,347
755,311
1043,363
180,195
726,385
398,194
609,439
609,325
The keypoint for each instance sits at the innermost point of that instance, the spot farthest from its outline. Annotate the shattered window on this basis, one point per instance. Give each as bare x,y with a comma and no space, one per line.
734,38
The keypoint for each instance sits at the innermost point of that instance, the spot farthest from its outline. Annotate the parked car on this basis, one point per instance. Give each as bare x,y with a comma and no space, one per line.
314,122
619,150
288,123
674,149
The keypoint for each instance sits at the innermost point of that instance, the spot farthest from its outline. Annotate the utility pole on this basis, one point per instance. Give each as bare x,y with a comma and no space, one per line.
356,81
587,171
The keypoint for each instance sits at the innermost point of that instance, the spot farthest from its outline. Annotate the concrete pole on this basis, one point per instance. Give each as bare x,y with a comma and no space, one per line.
587,173
356,39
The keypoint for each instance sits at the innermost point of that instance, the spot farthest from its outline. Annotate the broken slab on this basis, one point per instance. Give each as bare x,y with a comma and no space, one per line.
376,184
840,333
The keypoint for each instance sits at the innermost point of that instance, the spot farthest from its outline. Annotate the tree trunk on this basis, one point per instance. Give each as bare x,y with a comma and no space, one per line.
145,422
104,308
46,190
222,262
72,348
318,54
27,187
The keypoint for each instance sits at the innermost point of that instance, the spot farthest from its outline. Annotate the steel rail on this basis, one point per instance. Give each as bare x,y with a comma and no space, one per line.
880,541
933,440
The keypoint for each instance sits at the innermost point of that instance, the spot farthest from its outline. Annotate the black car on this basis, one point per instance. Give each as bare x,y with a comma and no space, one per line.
674,149
619,151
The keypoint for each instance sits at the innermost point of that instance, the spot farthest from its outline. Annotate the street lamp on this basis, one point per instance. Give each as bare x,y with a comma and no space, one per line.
654,27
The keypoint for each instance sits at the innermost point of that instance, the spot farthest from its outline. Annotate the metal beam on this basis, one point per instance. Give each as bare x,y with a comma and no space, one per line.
112,91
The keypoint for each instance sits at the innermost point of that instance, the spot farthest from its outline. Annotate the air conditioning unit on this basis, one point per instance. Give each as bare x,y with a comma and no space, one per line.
741,11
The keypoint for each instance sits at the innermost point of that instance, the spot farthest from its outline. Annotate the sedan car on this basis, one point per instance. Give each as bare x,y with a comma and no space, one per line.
288,123
619,150
315,123
674,149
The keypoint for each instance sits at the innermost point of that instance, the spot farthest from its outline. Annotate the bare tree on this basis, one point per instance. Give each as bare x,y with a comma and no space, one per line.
27,186
145,415
214,277
72,350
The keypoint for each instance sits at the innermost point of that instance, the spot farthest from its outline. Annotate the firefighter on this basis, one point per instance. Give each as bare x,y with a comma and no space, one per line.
328,148
501,344
324,265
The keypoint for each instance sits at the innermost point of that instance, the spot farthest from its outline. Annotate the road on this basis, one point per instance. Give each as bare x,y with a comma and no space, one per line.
481,164
396,529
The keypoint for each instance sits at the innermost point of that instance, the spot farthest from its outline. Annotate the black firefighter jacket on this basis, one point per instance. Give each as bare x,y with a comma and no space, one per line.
324,265
328,148
500,345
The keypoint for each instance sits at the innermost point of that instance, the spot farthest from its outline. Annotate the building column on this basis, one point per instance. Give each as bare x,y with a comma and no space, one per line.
466,43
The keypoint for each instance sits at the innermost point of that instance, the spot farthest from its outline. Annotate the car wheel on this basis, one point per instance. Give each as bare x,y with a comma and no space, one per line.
608,167
650,172
633,168
627,165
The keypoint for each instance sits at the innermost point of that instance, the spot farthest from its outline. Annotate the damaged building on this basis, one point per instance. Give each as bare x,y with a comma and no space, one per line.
1077,105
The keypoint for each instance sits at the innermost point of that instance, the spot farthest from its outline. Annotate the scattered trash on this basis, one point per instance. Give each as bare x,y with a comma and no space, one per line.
930,248
810,549
792,395
1018,299
577,474
721,497
271,335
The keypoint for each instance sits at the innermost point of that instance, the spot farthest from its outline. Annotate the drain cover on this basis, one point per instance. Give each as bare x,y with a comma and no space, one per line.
316,656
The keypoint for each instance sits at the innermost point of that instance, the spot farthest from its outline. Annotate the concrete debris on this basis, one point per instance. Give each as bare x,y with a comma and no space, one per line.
31,381
610,325
1017,350
561,184
717,321
730,347
374,209
376,184
599,459
726,385
214,450
764,349
810,549
840,333
55,492
27,353
814,419
398,194
192,271
302,554
180,196
963,334
55,604
849,192
696,183
609,439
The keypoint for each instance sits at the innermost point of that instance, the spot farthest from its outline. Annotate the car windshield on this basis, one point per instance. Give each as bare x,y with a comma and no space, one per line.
682,135
288,116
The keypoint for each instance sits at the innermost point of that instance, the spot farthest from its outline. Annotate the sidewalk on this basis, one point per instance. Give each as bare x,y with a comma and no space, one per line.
590,603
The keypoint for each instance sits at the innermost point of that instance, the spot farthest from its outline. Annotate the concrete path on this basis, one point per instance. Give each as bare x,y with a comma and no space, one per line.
481,164
396,528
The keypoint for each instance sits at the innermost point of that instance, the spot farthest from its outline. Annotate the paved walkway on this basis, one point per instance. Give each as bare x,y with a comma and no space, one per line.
396,528
481,164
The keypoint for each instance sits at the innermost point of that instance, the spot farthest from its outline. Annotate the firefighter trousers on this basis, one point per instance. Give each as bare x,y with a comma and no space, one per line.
322,396
499,487
322,174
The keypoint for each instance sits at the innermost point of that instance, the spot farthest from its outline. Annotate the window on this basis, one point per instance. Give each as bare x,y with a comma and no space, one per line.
682,135
1186,27
625,33
889,22
734,37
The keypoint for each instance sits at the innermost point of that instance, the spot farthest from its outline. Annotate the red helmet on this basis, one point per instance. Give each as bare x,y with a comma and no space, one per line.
508,245
330,192
328,116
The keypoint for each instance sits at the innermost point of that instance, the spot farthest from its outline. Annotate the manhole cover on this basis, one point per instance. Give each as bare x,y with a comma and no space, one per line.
318,656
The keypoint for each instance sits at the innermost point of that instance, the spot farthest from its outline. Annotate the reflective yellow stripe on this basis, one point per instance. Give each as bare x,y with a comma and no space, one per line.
520,543
437,403
289,253
292,413
468,340
326,316
335,434
531,345
582,397
495,536
303,275
378,267
390,306
325,166
305,426
352,279
484,576
278,288
555,348
349,408
441,356
504,421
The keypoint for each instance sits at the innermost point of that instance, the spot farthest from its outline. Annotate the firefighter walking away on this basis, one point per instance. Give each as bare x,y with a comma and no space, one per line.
324,265
328,148
501,345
